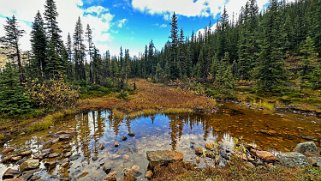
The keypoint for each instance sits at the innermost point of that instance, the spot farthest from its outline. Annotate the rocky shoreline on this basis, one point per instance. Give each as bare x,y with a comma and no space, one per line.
213,154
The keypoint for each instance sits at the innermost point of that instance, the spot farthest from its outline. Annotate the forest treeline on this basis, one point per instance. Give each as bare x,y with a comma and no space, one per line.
277,50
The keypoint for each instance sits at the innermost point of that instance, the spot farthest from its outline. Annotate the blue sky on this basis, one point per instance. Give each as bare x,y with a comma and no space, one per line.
127,23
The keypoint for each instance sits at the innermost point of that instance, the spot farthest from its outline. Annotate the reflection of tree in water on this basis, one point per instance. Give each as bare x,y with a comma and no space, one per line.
85,136
128,125
177,125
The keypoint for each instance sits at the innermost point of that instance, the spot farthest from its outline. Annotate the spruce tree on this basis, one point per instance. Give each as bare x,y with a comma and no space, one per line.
271,76
79,51
14,100
39,48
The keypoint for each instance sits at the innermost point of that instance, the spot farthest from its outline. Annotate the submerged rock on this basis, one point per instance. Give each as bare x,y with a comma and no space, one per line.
199,151
124,138
106,168
293,159
162,157
112,176
10,173
149,175
306,148
210,146
101,147
29,165
116,144
50,165
131,134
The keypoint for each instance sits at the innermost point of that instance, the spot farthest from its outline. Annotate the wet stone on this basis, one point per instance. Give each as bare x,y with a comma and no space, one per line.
10,173
106,168
25,153
7,150
112,176
29,165
116,144
124,138
131,134
149,175
161,157
16,158
54,155
101,147
50,165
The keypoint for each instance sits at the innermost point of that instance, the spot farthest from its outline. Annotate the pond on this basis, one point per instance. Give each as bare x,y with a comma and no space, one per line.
95,133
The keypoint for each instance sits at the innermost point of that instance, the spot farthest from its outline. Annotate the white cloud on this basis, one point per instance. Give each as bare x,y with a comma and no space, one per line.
122,22
191,8
98,17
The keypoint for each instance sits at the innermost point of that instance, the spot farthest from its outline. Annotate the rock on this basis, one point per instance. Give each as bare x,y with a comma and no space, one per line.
124,138
10,173
135,169
131,134
94,158
199,151
67,154
106,168
209,154
210,146
126,157
55,141
162,157
7,150
64,164
112,176
101,147
249,165
25,153
16,158
149,175
306,148
50,165
315,161
46,152
75,157
15,179
6,159
29,165
116,144
292,159
198,159
266,156
64,137
54,155
128,175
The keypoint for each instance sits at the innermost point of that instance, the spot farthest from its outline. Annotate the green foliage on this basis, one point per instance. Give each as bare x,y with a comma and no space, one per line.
14,99
315,77
53,94
123,95
88,91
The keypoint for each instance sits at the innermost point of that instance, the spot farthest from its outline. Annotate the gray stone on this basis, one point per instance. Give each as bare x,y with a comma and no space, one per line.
293,159
306,148
64,137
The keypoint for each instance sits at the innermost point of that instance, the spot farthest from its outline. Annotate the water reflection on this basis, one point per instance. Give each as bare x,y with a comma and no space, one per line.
176,132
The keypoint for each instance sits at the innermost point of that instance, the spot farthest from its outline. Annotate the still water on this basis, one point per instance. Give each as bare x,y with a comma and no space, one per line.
95,133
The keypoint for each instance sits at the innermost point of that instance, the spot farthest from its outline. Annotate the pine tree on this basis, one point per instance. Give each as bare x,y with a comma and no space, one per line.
56,50
14,100
174,72
309,55
39,48
11,41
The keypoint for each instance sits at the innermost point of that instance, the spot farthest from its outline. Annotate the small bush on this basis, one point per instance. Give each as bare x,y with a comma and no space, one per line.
53,94
123,95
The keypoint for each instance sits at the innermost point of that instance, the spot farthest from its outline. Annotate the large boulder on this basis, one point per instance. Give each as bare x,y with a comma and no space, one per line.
29,165
307,148
162,157
293,159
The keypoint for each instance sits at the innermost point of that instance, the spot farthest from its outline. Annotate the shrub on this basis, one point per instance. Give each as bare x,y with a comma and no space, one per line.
123,95
53,94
